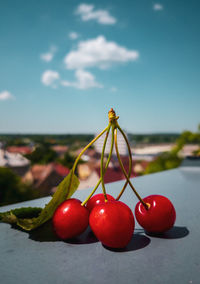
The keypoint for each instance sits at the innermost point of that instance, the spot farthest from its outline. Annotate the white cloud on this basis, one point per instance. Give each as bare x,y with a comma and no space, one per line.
87,13
5,95
73,35
84,80
158,7
49,55
99,53
49,78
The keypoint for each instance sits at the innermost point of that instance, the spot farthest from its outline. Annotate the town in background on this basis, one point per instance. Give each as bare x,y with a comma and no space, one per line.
32,166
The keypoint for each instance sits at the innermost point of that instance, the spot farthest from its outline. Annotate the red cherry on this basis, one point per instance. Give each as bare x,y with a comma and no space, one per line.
112,223
70,219
97,199
160,216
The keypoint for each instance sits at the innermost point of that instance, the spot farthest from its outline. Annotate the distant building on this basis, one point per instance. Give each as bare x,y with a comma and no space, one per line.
89,173
114,172
122,147
188,150
87,176
14,161
140,167
89,155
46,177
60,149
148,153
20,149
148,158
152,150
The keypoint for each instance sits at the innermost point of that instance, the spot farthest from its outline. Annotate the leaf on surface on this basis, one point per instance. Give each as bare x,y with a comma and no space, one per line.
21,216
25,212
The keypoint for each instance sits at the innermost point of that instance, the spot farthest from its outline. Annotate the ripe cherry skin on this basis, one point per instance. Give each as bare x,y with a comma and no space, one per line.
112,223
97,199
70,219
160,216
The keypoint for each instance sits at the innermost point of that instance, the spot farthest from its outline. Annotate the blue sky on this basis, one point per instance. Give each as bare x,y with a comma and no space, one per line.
64,64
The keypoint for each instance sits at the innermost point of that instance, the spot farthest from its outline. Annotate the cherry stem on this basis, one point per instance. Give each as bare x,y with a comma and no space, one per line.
102,172
86,147
130,163
122,167
83,151
106,166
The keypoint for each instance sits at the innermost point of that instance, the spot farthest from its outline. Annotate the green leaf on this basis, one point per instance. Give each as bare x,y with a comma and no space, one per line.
13,215
65,190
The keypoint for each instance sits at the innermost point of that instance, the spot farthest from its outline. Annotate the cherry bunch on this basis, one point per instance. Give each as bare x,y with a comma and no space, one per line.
111,220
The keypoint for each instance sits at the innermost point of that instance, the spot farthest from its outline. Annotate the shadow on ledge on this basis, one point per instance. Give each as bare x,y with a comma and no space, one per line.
174,233
45,233
138,241
42,234
86,237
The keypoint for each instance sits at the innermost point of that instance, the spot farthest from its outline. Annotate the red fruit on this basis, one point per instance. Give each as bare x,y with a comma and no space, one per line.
160,216
97,199
70,219
112,223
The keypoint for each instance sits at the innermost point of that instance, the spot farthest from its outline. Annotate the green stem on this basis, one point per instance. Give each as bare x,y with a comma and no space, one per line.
122,167
106,166
130,164
93,191
82,152
102,158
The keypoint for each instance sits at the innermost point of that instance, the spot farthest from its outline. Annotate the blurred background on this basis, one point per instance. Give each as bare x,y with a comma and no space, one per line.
64,64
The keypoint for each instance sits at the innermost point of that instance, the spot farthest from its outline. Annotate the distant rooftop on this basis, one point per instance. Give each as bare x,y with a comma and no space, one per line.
19,149
123,150
12,159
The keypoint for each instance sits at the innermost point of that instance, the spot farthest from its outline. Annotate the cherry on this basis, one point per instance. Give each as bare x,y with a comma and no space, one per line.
70,219
97,199
112,223
160,216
